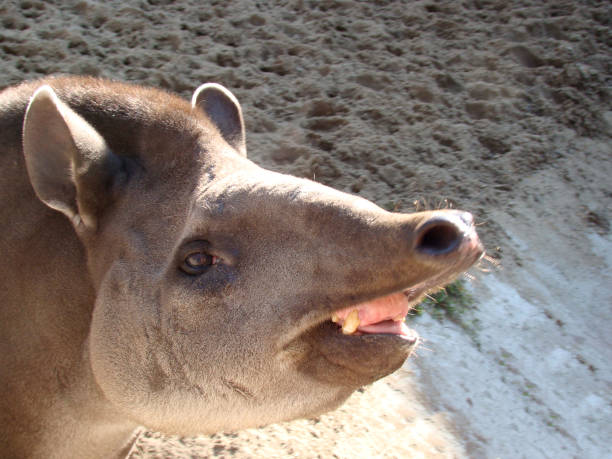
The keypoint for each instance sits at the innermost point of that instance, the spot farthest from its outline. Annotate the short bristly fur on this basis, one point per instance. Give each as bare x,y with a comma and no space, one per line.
107,189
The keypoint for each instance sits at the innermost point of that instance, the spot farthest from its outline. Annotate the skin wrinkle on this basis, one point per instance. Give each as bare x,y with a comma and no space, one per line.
242,391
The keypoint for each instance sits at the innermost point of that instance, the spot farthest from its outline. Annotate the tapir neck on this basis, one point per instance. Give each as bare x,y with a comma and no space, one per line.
50,405
79,423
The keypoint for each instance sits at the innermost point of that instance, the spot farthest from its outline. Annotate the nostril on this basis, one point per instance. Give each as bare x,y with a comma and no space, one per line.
438,238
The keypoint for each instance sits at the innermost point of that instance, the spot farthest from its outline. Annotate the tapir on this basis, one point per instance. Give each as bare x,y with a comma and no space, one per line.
154,276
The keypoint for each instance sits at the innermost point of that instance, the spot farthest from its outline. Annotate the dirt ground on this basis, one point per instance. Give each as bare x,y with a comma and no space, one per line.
499,107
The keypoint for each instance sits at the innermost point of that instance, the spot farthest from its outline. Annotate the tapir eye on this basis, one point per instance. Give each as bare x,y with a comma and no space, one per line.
198,262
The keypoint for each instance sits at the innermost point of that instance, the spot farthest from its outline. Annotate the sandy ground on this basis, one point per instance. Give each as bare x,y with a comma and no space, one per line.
497,107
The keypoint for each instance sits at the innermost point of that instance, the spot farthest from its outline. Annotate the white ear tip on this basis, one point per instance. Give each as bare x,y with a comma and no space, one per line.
44,92
215,86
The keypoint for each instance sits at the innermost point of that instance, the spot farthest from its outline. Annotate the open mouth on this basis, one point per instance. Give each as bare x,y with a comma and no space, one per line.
365,341
368,340
385,315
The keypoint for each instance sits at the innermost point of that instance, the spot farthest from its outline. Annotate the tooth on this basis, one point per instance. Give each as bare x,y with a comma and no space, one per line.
351,322
399,318
334,318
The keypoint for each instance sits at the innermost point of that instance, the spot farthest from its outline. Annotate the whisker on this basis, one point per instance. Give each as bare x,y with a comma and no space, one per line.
431,297
493,261
488,264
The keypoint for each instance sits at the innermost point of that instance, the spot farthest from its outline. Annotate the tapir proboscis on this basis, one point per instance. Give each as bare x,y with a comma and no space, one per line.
153,275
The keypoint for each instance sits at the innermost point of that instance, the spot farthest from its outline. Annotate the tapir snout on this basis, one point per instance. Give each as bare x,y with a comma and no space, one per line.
369,338
153,275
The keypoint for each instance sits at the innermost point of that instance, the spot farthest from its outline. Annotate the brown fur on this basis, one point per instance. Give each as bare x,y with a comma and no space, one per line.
101,331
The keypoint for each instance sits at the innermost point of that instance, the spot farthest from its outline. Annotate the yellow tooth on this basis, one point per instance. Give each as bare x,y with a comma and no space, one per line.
399,318
334,318
351,322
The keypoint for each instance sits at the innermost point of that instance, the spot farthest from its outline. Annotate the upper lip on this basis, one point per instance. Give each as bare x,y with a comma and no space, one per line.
470,251
415,293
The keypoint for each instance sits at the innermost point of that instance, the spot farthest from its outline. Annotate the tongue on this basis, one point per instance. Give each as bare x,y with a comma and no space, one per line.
389,327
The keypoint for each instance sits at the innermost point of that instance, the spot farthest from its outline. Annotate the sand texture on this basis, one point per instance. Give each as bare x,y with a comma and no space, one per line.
499,107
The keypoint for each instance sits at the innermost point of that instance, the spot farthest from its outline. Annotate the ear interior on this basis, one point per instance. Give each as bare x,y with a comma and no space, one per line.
69,164
223,109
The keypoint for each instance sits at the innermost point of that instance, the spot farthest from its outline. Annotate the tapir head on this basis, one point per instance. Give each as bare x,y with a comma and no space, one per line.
226,296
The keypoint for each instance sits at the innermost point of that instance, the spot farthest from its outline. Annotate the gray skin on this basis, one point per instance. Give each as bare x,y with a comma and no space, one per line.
113,311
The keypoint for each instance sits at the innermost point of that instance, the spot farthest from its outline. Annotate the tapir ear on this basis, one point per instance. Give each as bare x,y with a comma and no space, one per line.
224,111
70,166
